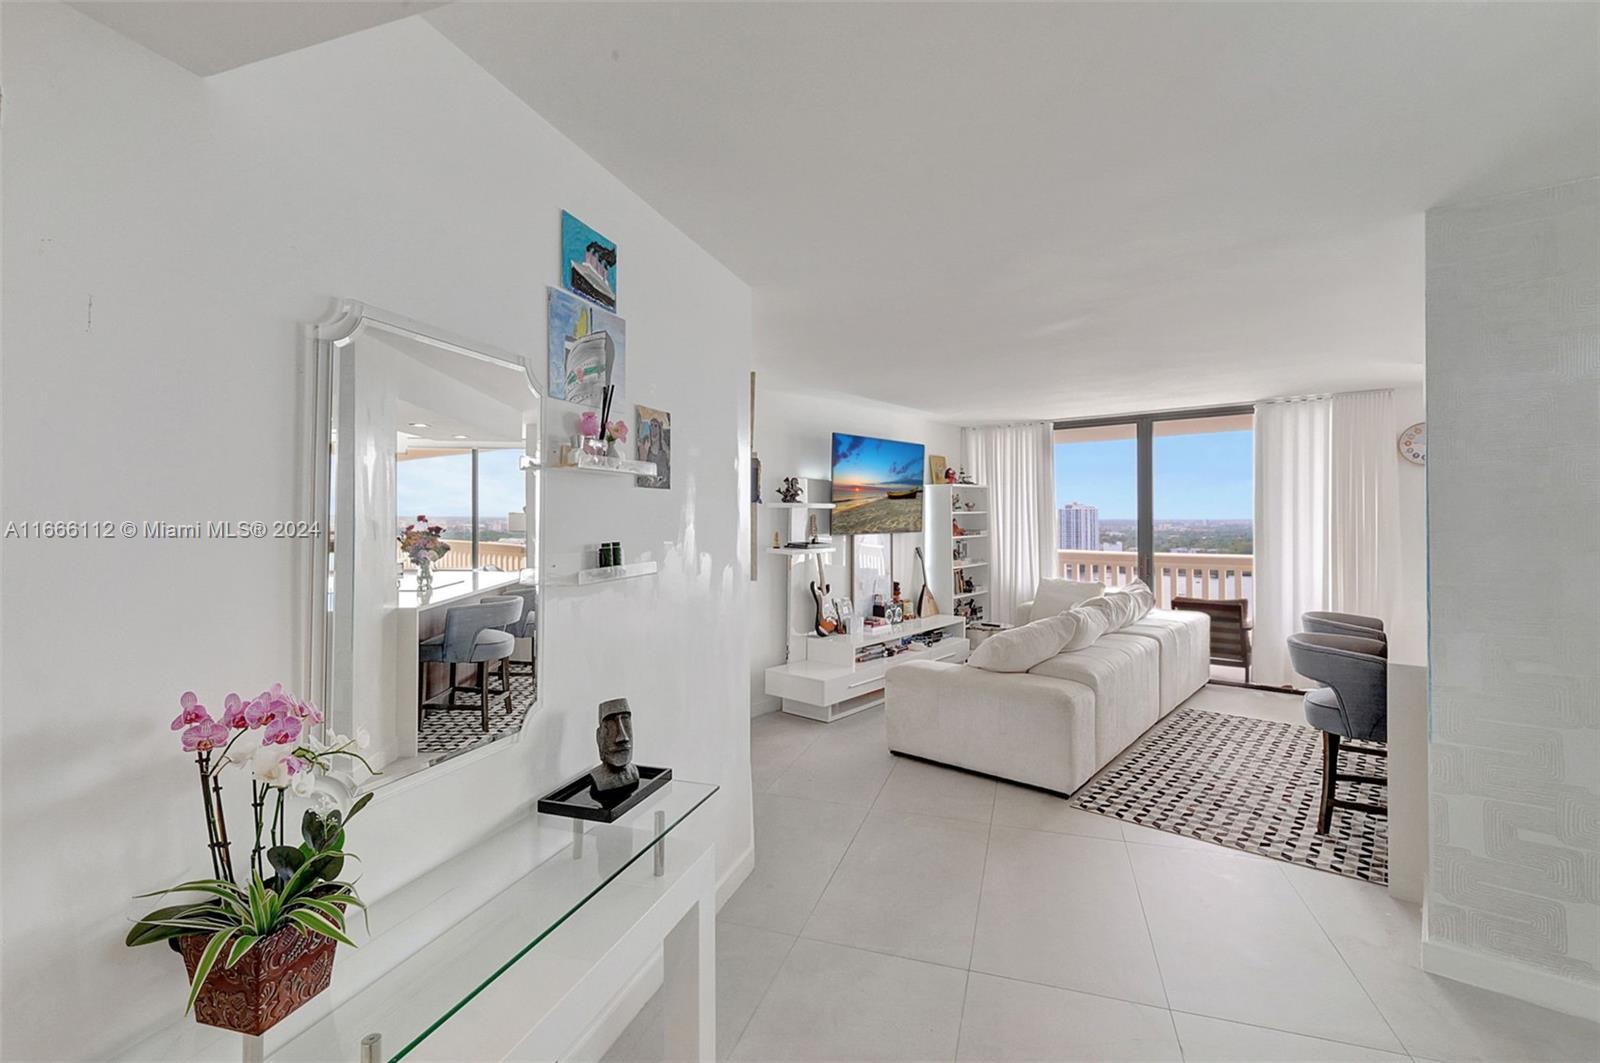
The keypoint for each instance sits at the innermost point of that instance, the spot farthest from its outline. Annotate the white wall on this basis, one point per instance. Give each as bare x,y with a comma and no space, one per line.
165,237
1408,573
1513,377
794,437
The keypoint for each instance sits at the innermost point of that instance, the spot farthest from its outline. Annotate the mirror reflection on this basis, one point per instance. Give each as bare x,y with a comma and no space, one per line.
433,633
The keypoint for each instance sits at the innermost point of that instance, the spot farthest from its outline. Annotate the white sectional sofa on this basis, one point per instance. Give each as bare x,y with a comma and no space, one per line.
1056,724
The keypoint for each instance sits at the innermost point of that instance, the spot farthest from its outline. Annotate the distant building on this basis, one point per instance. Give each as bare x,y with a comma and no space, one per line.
1078,527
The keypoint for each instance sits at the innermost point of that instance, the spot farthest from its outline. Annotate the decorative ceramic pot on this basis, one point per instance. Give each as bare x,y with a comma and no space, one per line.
283,971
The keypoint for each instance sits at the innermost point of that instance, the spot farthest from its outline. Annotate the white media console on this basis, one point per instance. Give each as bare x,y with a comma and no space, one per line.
824,681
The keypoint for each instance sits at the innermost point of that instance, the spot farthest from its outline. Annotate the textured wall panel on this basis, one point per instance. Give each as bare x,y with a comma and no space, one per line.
1514,588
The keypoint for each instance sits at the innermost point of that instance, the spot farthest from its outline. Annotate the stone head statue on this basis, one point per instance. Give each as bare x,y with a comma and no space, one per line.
614,737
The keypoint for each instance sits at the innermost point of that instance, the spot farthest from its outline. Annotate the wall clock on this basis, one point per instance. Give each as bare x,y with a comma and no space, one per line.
1413,443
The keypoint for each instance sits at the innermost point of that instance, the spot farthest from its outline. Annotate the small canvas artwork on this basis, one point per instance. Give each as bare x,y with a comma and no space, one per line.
587,347
655,444
588,262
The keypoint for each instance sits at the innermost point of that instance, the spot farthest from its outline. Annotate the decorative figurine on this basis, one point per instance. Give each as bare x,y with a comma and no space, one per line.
812,532
775,542
950,474
792,490
614,736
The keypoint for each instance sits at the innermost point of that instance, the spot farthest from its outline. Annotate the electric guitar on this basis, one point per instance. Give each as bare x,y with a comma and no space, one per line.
926,606
825,622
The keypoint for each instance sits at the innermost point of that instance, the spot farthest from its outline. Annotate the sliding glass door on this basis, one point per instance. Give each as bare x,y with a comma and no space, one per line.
1167,498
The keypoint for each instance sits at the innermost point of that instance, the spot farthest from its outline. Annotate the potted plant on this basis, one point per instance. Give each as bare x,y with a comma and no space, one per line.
260,944
423,544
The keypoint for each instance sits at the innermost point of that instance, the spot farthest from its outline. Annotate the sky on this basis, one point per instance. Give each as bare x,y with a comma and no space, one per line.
861,460
1206,476
442,486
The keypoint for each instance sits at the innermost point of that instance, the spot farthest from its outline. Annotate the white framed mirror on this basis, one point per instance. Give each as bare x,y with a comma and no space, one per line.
426,593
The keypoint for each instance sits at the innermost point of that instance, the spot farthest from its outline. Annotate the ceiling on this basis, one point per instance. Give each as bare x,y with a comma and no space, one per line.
994,211
209,37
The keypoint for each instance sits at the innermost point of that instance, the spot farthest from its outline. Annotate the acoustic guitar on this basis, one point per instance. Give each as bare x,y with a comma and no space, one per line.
825,623
926,606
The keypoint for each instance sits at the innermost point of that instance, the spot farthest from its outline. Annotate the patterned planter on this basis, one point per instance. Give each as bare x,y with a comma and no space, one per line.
281,973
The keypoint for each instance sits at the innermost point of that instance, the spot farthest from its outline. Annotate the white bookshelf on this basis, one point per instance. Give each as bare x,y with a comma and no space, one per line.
948,527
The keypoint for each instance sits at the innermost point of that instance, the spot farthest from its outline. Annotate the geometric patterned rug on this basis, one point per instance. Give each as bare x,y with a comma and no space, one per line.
1246,784
458,730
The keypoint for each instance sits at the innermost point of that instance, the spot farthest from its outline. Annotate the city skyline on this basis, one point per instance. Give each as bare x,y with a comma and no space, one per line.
1197,476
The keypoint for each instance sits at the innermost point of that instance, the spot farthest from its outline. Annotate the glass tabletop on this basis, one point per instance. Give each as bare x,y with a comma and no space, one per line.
412,984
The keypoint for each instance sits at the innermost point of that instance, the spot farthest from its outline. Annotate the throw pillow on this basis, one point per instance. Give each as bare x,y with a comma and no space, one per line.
1058,595
1144,599
1088,626
1020,648
1117,608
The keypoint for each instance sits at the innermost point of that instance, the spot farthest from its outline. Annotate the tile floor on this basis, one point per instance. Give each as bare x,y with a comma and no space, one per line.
900,911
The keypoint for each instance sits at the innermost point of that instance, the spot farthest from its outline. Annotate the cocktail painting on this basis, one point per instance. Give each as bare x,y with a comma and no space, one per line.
587,350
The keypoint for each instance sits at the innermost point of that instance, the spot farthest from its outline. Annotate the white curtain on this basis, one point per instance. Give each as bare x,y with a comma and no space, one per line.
1293,443
1017,463
1363,544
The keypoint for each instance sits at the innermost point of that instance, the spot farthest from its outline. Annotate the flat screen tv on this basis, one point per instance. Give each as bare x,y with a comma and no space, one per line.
877,485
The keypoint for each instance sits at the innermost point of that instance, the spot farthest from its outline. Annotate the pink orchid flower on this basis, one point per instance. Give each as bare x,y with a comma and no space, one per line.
307,711
193,712
269,706
204,735
281,731
233,713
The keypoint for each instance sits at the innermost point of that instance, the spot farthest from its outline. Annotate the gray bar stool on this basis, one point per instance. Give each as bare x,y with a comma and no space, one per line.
1353,705
516,629
1326,623
526,628
472,635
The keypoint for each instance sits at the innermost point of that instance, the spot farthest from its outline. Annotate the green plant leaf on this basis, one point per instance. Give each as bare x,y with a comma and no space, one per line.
227,892
318,925
361,802
335,916
258,906
208,959
241,947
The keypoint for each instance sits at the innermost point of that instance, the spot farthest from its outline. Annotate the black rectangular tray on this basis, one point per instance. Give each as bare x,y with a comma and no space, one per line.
576,798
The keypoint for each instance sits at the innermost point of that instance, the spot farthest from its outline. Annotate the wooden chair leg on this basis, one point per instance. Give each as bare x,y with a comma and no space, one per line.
483,693
422,689
1330,779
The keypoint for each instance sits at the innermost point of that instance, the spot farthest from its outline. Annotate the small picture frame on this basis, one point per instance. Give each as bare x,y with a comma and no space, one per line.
936,468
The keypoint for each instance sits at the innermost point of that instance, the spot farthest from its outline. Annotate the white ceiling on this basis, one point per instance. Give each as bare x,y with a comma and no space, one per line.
210,37
996,211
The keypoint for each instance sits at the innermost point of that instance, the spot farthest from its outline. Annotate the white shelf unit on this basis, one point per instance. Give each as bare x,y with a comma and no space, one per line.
824,681
943,512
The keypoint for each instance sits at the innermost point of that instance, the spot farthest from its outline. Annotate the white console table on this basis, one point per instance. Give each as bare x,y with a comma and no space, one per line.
537,943
824,681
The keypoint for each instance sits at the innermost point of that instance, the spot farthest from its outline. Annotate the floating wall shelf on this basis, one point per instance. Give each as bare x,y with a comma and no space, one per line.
798,505
800,551
615,572
580,462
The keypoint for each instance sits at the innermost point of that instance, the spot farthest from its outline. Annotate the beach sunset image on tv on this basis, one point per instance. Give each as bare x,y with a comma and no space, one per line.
877,485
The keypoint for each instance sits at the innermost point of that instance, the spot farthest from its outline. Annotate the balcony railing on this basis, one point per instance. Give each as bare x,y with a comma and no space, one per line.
504,557
1177,575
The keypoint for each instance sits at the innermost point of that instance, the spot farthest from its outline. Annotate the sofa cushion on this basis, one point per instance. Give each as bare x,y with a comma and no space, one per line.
1020,648
1058,595
1125,674
1087,627
1184,640
1031,729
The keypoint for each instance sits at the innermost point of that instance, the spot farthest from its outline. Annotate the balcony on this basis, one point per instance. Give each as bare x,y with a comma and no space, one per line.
1211,576
492,556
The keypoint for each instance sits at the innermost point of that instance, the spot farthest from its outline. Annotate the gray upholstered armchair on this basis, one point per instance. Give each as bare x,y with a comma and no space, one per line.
1354,704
